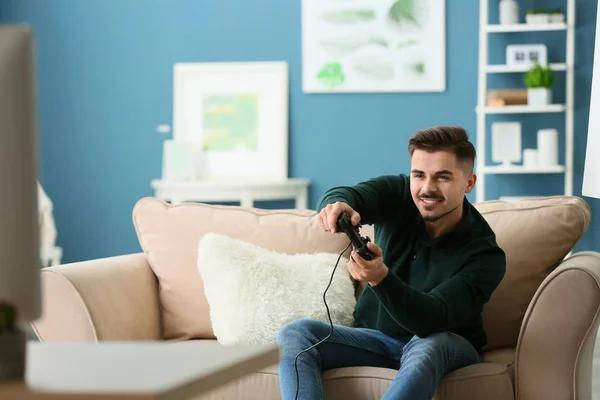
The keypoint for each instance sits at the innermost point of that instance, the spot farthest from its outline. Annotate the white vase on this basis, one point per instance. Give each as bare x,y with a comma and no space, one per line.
557,18
547,141
509,12
530,157
539,96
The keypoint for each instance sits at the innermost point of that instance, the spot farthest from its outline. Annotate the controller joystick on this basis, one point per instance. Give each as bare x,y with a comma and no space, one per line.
359,243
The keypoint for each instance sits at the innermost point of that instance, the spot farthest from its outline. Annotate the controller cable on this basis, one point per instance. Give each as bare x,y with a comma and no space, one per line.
330,323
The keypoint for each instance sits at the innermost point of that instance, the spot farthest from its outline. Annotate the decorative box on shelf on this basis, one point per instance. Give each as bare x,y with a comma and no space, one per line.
506,97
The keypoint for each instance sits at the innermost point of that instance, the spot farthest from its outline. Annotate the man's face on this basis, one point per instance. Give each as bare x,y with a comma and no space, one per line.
438,183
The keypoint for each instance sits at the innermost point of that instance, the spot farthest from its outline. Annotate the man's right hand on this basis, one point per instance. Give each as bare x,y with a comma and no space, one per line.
329,215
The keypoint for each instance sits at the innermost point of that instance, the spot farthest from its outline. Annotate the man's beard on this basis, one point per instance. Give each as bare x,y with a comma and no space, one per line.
435,218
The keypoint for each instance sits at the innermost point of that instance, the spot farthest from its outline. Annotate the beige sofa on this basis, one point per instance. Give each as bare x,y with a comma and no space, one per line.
541,321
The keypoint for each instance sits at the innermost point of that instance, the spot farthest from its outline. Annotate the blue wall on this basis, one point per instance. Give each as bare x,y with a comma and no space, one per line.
105,83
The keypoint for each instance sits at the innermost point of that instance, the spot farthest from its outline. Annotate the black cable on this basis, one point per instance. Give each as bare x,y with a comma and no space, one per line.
330,323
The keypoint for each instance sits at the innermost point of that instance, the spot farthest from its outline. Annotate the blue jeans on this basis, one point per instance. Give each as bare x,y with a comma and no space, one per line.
422,362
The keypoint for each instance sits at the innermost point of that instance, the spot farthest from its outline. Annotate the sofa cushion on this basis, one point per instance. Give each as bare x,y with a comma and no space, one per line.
169,235
482,381
536,235
252,291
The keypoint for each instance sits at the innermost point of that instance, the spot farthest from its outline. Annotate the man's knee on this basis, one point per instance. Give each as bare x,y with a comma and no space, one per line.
441,348
303,328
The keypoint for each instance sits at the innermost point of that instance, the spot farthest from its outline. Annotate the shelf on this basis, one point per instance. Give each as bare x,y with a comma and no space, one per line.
493,70
522,109
502,69
519,169
496,28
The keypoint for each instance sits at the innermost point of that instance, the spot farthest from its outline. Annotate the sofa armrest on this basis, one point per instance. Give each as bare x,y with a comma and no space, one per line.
113,298
556,342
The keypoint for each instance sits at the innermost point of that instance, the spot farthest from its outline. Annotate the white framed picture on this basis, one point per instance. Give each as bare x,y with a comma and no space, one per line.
373,46
238,114
526,55
506,142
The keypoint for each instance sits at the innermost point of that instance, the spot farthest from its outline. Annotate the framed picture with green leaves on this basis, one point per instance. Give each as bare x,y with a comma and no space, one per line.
373,46
233,119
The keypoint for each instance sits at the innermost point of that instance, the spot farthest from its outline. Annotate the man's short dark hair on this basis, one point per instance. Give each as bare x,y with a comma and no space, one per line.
444,138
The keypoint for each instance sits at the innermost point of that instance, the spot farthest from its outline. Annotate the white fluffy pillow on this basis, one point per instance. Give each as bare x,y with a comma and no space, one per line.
252,291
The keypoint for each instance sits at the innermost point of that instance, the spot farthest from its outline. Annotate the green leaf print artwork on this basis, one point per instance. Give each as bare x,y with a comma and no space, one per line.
342,45
374,70
348,16
404,12
407,43
331,75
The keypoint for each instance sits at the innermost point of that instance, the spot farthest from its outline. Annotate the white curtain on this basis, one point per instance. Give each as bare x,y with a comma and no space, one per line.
591,174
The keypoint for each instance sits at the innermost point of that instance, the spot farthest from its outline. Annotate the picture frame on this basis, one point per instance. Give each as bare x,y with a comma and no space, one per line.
526,55
237,114
376,46
506,143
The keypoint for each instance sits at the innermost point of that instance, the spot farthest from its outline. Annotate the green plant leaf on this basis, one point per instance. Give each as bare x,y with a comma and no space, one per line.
331,75
349,16
539,76
404,12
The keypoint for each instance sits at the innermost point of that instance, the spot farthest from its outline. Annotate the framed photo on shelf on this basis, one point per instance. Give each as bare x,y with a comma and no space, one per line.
526,55
236,116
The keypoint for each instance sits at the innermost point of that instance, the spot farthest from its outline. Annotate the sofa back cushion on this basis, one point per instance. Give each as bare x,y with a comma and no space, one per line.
169,235
536,235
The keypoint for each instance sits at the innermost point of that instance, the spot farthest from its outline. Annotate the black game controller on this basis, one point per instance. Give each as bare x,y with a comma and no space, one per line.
358,242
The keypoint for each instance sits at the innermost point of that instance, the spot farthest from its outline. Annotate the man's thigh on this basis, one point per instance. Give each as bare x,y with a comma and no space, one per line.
353,347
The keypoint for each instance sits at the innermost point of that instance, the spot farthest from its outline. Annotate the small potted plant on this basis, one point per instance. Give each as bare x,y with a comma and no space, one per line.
536,17
539,81
12,345
557,16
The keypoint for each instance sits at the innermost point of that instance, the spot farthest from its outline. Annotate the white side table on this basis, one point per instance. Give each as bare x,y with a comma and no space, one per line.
134,370
244,192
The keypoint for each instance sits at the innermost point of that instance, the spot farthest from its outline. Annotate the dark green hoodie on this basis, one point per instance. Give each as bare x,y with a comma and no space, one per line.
433,285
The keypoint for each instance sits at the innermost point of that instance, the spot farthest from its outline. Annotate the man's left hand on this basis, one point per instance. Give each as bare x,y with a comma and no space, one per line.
372,271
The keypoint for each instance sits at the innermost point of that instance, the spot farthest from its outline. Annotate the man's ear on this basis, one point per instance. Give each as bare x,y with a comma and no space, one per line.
471,182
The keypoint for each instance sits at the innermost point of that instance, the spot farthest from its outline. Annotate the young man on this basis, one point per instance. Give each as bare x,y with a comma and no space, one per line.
436,264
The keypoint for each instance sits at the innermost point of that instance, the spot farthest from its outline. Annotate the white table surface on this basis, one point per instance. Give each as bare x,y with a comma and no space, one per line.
142,370
246,192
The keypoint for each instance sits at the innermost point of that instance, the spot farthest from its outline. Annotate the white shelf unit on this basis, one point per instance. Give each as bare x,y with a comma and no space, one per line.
518,169
504,69
550,108
482,110
524,27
